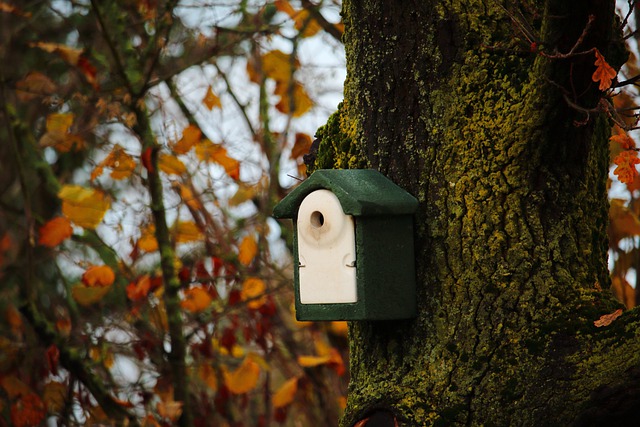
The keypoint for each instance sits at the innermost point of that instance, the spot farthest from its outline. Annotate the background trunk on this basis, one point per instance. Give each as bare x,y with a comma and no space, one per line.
454,102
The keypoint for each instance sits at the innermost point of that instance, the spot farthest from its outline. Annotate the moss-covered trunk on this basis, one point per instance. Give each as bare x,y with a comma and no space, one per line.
473,107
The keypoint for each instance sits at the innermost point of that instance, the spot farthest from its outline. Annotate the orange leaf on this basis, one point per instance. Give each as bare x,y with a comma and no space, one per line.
14,387
69,54
301,146
208,151
55,231
28,411
243,379
604,72
147,241
187,231
190,136
54,396
253,292
14,319
34,85
139,289
211,100
196,299
86,296
208,375
304,23
312,361
169,409
607,319
625,141
171,165
301,101
98,275
83,206
122,164
626,169
247,250
285,394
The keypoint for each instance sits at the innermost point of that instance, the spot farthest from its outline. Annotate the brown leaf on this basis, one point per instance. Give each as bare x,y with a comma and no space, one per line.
606,319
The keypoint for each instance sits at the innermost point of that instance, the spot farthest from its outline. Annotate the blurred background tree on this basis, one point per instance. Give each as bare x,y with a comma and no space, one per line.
144,145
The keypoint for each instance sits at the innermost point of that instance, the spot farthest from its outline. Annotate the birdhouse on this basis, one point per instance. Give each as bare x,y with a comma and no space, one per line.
353,246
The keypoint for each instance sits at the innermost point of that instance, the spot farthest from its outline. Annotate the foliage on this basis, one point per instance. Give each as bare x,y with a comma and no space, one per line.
136,248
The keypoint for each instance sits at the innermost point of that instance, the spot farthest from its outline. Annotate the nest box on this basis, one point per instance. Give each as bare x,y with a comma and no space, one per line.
353,246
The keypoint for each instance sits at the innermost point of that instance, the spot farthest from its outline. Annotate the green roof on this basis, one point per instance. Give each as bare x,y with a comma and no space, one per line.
362,192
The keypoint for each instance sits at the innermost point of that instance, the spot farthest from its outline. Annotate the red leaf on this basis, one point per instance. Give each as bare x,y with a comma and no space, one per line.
53,356
146,159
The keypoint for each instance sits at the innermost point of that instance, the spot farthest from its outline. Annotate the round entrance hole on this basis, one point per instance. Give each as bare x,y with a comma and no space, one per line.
317,219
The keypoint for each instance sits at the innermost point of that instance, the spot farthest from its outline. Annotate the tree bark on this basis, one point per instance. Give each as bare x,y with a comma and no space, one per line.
485,111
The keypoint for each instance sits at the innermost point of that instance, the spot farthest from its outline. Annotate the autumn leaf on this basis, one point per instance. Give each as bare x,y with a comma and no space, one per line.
169,409
625,141
28,411
171,165
147,241
98,275
604,72
119,161
69,54
146,159
86,296
34,85
313,361
247,250
301,146
253,292
187,232
208,151
607,319
54,396
285,394
276,65
190,136
244,378
54,232
626,163
208,375
14,319
5,7
211,100
138,290
83,206
14,387
196,299
301,100
58,133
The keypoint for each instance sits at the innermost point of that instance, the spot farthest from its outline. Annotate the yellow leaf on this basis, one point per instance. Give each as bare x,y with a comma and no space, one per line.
55,231
301,101
311,361
253,292
211,100
196,299
86,296
171,165
279,66
69,54
304,23
243,379
187,231
122,164
147,241
208,151
98,275
83,206
187,197
285,394
59,122
54,396
190,136
248,249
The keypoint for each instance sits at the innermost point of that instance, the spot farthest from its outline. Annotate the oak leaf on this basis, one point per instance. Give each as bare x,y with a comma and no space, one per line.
625,141
54,232
604,72
626,163
83,206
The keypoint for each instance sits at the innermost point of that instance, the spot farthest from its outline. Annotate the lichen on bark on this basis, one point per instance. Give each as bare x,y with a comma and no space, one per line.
449,100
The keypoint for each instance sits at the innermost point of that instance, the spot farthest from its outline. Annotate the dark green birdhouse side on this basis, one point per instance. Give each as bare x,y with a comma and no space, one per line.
381,214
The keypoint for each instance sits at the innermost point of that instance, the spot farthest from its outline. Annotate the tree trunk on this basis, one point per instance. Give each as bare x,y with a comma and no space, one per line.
478,109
